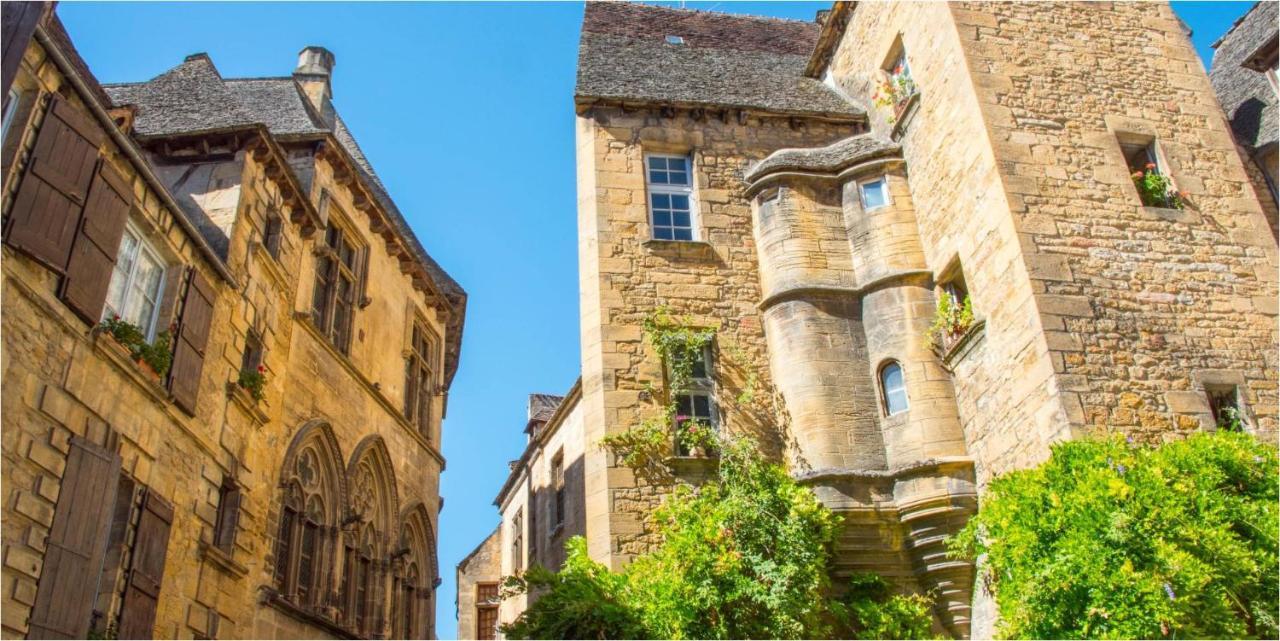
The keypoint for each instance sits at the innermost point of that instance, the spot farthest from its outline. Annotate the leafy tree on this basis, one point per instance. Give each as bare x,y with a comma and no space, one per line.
745,556
1113,540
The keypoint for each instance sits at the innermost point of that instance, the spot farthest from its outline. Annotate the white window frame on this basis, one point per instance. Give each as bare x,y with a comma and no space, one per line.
705,387
862,193
672,190
10,110
149,331
884,390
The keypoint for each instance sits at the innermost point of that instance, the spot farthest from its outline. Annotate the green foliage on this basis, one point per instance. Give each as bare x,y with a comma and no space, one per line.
646,446
950,321
870,609
254,381
1112,540
158,354
1156,190
744,556
584,600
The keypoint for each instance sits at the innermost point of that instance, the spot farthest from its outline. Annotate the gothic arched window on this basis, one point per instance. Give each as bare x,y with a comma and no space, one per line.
371,521
312,492
415,575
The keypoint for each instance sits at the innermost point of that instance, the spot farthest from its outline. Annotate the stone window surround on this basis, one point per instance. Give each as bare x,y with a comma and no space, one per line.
1137,134
360,247
691,191
883,179
884,389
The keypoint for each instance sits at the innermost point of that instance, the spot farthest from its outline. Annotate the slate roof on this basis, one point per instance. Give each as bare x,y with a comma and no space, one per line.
193,98
728,61
1245,94
827,160
543,406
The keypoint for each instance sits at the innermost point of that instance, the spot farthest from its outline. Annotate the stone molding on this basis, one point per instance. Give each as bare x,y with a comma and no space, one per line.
823,291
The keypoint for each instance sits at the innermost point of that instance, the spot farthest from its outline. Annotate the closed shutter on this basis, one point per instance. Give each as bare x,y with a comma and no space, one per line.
138,612
18,24
46,213
193,335
76,543
228,519
93,256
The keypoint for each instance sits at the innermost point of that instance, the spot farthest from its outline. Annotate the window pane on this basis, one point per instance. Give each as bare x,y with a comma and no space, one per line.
895,391
663,233
657,163
681,219
680,202
873,194
681,233
702,407
678,178
684,405
661,201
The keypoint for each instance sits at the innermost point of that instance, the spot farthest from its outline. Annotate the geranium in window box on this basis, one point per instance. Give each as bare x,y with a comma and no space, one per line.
1156,190
254,381
951,320
155,357
895,92
695,437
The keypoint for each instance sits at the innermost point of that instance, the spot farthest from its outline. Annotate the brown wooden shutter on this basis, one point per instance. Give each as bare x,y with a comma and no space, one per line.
18,23
193,335
228,519
93,256
138,612
46,212
76,543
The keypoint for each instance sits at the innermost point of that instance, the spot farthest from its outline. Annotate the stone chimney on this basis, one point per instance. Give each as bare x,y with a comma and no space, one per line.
315,67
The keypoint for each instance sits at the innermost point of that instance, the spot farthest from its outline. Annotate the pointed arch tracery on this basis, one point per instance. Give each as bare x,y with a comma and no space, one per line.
312,490
415,574
369,536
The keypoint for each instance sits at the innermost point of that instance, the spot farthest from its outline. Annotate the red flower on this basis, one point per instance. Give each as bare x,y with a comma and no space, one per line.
1137,174
115,317
262,368
1151,165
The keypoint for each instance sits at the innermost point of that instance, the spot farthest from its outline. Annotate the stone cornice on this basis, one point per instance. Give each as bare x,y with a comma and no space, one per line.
830,291
766,180
830,474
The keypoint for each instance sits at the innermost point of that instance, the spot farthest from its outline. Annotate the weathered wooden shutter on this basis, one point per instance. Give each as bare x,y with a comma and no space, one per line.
46,212
228,519
193,335
138,611
18,24
76,543
93,255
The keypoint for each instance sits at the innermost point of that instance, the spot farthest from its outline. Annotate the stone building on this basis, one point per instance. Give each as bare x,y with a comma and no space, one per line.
281,478
811,190
479,576
1244,76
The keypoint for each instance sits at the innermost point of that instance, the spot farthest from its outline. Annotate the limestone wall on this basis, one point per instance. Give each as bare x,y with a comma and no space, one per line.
624,276
483,565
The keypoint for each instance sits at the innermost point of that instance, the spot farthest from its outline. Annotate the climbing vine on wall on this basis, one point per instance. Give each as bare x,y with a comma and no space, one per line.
646,446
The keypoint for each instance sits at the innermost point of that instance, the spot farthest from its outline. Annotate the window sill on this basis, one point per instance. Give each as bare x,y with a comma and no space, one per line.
688,249
222,560
148,380
276,600
1170,214
245,401
964,345
903,115
685,465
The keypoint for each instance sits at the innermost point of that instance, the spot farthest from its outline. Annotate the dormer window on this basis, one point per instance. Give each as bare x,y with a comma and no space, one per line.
675,40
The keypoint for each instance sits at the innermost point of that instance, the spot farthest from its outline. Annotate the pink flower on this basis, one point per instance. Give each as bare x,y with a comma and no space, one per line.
680,418
1151,165
1137,174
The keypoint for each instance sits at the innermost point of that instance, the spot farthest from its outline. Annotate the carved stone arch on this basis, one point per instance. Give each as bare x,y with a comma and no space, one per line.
317,435
415,522
372,482
416,574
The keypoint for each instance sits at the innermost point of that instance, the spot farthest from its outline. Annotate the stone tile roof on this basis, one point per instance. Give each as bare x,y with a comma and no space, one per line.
1246,95
725,61
543,406
193,98
827,160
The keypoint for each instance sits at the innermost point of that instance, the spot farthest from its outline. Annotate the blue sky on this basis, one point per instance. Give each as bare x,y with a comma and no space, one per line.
466,111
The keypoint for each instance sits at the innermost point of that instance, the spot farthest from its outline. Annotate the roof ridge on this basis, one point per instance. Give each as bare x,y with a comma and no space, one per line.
250,78
741,16
1236,24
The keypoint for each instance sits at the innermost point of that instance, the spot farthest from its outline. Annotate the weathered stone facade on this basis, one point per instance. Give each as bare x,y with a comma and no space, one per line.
250,518
1003,175
483,567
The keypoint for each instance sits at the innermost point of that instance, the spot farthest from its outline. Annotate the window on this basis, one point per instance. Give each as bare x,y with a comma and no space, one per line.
875,194
898,87
670,197
1227,408
953,283
272,234
557,485
419,386
10,108
696,404
252,356
303,547
1149,174
136,283
893,389
334,299
224,529
486,610
517,542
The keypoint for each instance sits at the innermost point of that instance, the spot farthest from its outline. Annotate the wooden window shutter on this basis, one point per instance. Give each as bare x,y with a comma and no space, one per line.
93,255
138,611
193,335
76,543
224,536
46,212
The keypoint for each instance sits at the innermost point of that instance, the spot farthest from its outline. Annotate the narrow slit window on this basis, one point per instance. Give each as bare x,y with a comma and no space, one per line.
670,180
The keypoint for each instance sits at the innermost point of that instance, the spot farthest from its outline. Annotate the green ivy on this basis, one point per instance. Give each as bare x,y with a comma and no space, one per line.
745,556
646,446
1118,541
